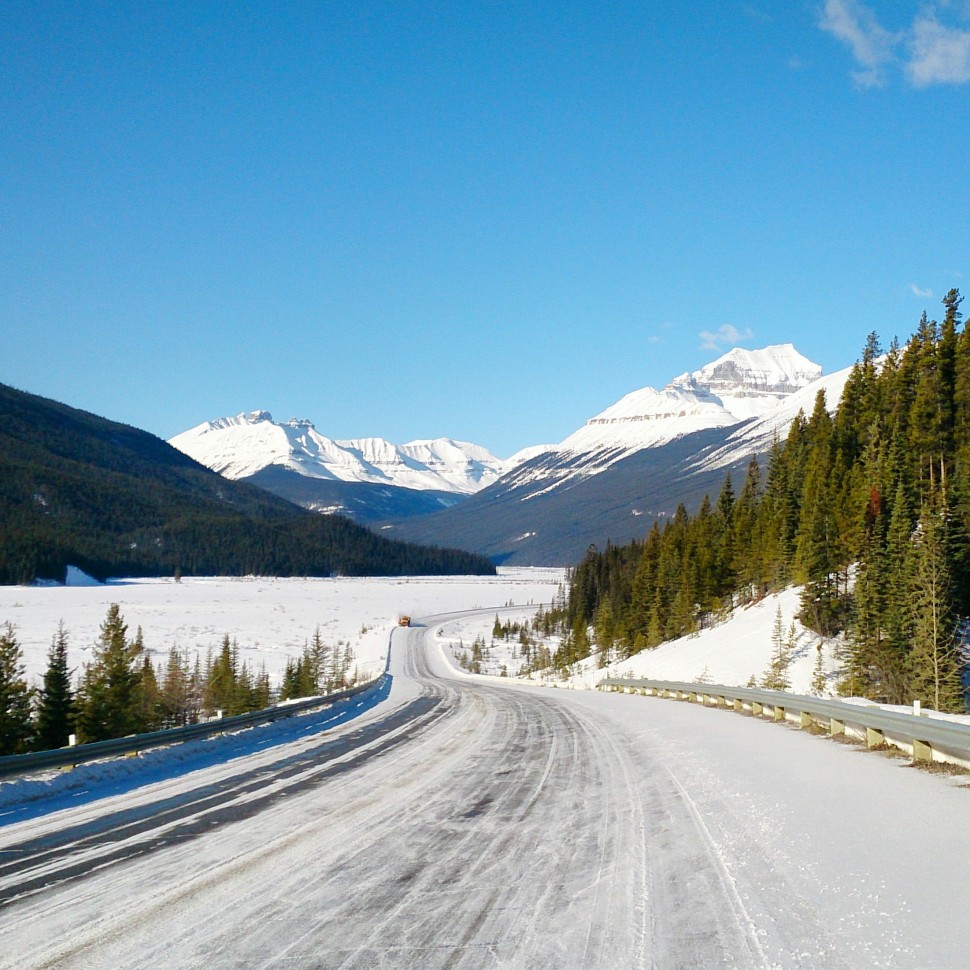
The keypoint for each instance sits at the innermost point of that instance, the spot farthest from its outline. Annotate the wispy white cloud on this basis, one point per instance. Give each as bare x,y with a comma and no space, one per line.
929,51
938,54
871,44
725,336
756,12
920,292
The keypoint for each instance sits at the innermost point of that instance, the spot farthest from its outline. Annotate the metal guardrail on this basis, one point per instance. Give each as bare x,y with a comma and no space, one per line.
924,738
15,764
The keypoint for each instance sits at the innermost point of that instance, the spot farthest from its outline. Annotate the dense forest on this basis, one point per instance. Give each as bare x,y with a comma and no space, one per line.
121,691
868,509
76,489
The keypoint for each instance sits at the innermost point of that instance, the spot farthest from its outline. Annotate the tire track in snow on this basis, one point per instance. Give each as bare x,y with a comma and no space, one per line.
73,851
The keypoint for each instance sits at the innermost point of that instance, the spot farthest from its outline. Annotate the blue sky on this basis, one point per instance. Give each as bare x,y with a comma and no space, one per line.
486,221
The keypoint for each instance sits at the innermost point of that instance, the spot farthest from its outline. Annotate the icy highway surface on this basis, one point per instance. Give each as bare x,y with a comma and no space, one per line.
464,823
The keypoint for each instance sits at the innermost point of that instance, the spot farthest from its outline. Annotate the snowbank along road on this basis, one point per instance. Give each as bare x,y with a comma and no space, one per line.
462,823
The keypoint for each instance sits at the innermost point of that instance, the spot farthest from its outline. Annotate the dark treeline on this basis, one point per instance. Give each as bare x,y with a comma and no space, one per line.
121,691
868,510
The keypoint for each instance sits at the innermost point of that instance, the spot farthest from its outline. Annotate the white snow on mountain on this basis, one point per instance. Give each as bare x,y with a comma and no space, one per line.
240,446
758,390
750,383
737,387
645,419
756,436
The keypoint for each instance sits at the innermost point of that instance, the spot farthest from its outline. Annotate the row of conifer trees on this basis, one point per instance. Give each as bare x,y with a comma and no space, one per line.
122,692
867,508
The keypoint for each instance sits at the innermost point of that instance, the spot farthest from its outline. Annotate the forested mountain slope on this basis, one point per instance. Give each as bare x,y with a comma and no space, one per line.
518,521
77,489
868,510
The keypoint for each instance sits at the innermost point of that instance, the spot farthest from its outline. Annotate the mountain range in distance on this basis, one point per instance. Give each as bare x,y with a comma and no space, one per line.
633,462
78,490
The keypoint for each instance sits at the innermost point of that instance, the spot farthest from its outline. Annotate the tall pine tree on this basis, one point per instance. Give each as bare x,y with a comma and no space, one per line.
56,711
16,728
107,705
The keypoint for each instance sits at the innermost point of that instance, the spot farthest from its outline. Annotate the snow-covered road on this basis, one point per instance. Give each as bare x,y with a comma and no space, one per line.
464,823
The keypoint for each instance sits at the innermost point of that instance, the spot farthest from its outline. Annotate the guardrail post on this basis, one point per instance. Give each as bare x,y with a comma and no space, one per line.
757,708
739,705
836,727
779,713
805,720
874,738
922,751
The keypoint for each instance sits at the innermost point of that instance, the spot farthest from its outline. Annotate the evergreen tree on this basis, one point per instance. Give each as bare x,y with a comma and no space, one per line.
16,728
777,520
747,543
934,662
724,558
818,674
292,675
776,676
244,691
317,654
176,696
148,696
55,713
107,705
262,691
220,681
604,628
889,681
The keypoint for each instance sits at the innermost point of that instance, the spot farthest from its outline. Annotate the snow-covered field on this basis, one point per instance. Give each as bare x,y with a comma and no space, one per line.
272,619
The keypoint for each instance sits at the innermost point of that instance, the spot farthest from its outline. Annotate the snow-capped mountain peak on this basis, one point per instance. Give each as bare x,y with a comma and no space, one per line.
240,446
750,383
738,386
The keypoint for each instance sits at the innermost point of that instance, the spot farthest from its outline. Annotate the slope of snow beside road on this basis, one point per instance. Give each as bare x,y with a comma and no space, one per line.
729,653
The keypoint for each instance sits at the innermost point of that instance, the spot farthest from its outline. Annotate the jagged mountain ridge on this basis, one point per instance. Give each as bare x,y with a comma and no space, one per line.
738,386
749,383
628,464
244,445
